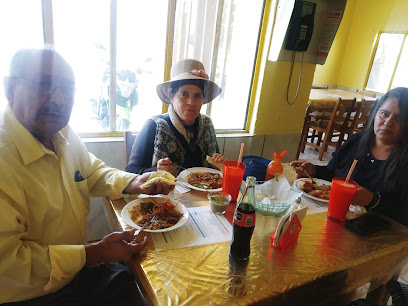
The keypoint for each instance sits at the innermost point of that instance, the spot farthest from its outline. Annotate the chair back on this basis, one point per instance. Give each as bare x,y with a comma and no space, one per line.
129,139
340,117
367,107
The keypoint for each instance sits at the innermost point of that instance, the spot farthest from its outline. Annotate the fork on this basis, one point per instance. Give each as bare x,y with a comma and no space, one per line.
153,220
306,173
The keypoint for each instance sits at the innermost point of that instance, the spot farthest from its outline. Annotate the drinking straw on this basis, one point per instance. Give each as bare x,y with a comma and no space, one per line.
240,154
351,170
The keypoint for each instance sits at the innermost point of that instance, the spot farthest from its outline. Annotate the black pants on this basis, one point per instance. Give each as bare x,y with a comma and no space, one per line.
104,284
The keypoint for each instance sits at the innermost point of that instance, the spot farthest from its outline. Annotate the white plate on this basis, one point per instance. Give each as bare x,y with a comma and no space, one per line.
178,206
299,183
182,177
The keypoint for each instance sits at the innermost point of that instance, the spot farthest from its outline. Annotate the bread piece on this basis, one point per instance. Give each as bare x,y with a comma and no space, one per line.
163,176
211,161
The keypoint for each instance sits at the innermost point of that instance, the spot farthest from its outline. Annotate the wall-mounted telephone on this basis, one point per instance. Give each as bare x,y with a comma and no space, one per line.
300,27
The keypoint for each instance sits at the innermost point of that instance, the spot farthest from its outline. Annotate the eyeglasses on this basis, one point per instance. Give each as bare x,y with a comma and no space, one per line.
48,88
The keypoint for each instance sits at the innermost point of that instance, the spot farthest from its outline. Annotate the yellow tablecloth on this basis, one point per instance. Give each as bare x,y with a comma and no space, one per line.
328,264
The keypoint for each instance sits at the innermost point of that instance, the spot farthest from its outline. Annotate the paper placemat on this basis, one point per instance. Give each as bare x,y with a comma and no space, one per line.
202,227
313,207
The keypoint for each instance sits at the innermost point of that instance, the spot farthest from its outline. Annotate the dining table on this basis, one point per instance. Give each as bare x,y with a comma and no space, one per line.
326,265
334,94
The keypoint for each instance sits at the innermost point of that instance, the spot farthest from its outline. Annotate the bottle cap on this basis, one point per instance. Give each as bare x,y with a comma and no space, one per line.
279,156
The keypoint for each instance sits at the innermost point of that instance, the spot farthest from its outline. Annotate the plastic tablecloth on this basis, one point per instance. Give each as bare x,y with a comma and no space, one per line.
327,265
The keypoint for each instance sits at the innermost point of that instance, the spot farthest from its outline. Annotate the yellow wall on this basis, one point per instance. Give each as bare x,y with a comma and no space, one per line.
347,65
275,115
364,19
270,113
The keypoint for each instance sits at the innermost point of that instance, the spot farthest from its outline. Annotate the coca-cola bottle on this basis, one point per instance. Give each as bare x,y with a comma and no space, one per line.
244,222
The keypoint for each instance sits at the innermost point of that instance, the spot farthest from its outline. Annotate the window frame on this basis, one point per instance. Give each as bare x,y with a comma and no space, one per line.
396,62
48,26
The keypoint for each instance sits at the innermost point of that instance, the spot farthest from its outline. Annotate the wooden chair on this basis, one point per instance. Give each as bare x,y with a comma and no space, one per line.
342,130
129,139
360,123
316,111
325,129
357,121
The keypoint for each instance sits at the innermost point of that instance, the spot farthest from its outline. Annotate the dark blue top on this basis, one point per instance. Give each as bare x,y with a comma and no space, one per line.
370,174
140,160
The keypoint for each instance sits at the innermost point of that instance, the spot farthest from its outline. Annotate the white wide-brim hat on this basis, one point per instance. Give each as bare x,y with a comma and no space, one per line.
182,70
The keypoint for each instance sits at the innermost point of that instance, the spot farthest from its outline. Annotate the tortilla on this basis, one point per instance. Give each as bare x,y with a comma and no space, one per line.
211,161
164,176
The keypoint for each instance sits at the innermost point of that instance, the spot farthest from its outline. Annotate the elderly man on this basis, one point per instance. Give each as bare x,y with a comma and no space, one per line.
47,178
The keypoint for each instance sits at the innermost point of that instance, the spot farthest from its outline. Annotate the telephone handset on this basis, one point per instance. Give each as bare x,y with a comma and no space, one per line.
300,27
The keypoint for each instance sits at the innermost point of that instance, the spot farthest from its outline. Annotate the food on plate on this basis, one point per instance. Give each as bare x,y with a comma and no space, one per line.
321,191
211,161
143,213
163,176
205,180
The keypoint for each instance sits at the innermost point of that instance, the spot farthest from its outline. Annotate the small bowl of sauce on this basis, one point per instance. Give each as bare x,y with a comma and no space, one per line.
219,202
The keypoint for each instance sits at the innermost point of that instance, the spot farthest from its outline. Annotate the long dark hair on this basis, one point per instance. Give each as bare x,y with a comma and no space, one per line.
399,156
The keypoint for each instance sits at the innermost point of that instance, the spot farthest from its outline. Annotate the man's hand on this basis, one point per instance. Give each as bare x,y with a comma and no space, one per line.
115,247
300,167
156,187
165,164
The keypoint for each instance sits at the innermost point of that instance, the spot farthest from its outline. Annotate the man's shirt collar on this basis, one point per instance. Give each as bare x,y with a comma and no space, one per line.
29,147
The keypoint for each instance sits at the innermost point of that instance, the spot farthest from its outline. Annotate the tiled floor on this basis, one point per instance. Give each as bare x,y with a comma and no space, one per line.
311,155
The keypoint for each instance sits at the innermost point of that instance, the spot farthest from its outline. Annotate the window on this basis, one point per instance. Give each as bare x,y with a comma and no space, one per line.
139,62
136,41
26,31
389,64
223,35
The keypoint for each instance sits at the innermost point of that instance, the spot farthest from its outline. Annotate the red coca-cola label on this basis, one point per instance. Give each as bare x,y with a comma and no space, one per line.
244,220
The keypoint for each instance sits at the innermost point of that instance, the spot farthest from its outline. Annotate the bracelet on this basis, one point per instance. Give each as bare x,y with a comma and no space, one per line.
375,201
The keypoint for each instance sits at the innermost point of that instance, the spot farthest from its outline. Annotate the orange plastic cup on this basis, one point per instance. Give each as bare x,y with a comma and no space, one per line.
341,195
232,175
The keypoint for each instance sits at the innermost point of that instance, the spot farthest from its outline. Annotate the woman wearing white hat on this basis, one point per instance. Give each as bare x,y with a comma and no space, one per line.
182,137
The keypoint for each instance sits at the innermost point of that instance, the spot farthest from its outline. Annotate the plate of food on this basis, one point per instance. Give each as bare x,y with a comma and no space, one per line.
201,178
319,190
172,214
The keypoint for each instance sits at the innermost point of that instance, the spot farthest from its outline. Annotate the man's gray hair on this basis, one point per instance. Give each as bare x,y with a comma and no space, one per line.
22,58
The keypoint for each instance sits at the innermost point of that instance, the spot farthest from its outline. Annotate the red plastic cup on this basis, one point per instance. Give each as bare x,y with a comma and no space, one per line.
341,195
232,175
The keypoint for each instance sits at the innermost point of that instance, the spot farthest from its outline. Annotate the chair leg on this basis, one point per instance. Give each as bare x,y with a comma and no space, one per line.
313,136
340,140
301,146
319,138
304,139
323,148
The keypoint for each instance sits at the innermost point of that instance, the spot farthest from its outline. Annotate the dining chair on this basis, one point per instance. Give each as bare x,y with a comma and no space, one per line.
360,123
129,139
338,120
316,111
357,121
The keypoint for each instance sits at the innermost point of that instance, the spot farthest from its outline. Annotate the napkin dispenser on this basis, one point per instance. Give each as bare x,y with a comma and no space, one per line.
289,226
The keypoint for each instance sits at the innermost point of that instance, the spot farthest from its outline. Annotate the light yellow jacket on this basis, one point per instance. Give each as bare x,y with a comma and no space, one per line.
43,209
